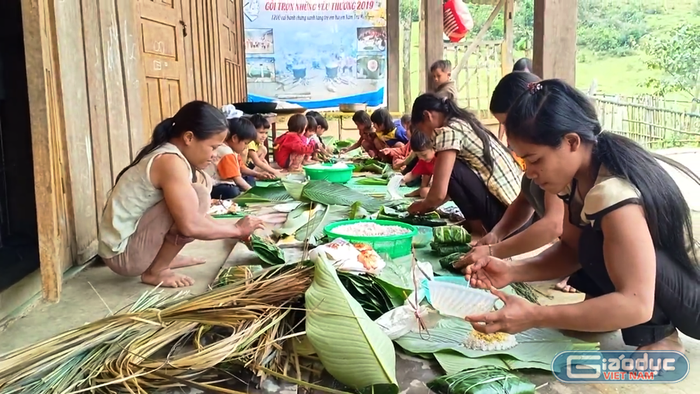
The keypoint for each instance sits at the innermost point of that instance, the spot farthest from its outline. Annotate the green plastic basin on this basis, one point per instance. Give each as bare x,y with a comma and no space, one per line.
395,245
330,174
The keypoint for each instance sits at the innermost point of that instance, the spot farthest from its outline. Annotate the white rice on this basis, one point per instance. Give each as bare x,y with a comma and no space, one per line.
370,230
476,341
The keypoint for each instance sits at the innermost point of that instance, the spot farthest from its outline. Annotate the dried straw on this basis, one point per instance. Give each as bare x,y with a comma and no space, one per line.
165,339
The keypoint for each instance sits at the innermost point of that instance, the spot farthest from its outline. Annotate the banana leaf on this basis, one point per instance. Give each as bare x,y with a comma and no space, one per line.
327,193
447,249
297,218
268,252
451,235
483,380
352,348
536,347
313,229
372,181
372,296
275,192
447,261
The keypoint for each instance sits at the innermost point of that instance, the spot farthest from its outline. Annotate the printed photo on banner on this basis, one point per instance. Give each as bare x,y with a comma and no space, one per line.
259,41
316,54
261,69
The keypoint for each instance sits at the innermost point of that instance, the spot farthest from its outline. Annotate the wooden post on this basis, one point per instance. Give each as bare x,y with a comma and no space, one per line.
554,39
393,27
43,89
507,47
433,37
421,47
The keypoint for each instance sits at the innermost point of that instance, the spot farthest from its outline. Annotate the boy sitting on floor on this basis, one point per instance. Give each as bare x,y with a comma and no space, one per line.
364,127
423,149
255,157
402,155
225,167
321,128
291,148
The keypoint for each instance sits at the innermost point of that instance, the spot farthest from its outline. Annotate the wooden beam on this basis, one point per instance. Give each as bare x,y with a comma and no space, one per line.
554,39
41,88
393,27
433,36
508,34
479,37
422,87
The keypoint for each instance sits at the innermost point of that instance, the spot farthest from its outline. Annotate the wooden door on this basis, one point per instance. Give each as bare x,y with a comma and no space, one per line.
161,31
232,54
48,145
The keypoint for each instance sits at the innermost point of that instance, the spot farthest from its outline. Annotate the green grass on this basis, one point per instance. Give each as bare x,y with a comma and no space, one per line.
614,75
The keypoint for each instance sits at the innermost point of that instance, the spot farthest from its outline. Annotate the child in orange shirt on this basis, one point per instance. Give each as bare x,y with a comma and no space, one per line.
226,163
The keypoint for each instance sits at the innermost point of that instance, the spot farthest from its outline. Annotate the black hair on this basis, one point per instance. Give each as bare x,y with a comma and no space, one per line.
420,142
442,65
310,122
201,118
432,103
406,118
260,122
508,90
383,118
552,109
297,123
363,118
242,128
523,64
320,120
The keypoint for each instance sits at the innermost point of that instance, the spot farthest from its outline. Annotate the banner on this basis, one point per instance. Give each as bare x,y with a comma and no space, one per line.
316,53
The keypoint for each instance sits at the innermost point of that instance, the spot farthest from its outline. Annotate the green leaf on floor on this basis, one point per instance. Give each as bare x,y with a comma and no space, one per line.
359,355
536,347
328,193
268,252
275,192
313,229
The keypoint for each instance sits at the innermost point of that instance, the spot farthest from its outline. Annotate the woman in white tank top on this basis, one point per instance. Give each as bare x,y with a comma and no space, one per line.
160,201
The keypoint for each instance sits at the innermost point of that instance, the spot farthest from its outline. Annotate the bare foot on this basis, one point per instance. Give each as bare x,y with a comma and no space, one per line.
671,342
185,261
166,278
564,287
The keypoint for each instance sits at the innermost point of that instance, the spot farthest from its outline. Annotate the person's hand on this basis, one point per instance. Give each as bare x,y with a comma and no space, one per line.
398,166
418,207
248,225
516,316
385,151
343,151
474,255
488,239
488,272
267,175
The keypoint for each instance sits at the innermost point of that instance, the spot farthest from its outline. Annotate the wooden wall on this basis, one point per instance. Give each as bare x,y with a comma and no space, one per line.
102,74
101,105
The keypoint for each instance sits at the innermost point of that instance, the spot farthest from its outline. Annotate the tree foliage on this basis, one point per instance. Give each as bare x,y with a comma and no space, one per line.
678,56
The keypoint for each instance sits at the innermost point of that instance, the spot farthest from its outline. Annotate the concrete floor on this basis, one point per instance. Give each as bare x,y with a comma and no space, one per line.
96,291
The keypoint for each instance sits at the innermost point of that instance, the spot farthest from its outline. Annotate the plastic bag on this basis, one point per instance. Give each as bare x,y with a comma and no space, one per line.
404,319
457,20
392,189
345,256
482,380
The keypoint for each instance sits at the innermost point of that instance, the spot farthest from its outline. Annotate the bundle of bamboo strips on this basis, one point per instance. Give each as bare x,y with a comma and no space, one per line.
163,340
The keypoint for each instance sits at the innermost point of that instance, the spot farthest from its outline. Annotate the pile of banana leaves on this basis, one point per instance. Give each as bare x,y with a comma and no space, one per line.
376,297
397,211
266,250
372,165
448,240
482,380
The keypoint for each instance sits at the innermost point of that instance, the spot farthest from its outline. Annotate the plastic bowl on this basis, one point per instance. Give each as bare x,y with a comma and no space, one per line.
423,238
330,174
395,245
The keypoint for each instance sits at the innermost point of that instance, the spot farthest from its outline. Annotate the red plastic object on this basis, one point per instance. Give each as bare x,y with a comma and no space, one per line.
457,20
